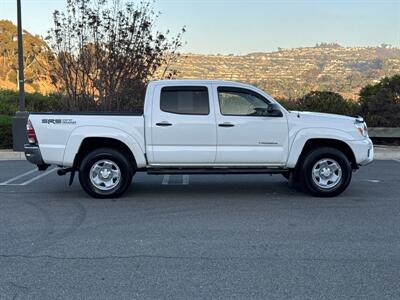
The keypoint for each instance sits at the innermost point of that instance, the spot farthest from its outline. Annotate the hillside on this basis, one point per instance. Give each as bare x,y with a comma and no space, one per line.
291,73
35,50
287,73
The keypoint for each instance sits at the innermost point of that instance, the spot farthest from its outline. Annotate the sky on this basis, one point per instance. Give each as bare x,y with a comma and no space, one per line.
246,26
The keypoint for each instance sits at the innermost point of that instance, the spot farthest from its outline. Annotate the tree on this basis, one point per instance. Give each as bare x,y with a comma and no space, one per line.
104,53
34,54
327,102
380,103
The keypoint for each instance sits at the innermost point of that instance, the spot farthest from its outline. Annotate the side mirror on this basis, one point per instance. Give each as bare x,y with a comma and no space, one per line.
273,110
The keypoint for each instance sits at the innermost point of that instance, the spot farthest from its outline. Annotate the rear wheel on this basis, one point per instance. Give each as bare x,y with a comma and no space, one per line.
105,173
326,172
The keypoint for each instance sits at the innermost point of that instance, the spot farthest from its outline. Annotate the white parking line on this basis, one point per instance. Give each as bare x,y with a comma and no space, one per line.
185,180
165,180
38,177
18,177
371,180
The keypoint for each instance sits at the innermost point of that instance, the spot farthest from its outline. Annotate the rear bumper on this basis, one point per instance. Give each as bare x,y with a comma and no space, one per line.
33,155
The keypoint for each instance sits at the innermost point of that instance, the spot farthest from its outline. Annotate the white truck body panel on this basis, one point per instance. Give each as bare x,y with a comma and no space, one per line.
305,126
60,142
194,135
263,140
198,140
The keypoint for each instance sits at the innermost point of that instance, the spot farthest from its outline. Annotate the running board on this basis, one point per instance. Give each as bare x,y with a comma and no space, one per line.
189,171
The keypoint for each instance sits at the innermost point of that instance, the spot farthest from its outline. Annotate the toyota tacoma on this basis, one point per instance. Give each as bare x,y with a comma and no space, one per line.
201,127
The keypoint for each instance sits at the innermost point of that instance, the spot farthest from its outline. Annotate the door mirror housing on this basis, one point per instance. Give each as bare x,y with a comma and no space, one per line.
274,110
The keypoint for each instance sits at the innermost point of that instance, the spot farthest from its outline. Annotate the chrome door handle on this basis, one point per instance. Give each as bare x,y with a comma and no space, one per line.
226,125
164,124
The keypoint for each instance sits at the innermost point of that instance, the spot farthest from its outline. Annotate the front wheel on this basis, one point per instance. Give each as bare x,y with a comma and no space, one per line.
105,173
326,172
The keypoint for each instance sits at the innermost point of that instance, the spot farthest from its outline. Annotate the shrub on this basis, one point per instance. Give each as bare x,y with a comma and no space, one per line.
5,120
380,103
5,137
5,132
289,104
35,102
327,102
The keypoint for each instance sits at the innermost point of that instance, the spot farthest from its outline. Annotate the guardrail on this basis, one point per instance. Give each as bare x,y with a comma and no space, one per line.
384,132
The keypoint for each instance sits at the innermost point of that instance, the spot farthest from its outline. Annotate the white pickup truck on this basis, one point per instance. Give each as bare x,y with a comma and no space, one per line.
201,127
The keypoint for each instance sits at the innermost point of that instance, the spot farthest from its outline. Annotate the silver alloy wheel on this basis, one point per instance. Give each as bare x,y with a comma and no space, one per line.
326,173
105,175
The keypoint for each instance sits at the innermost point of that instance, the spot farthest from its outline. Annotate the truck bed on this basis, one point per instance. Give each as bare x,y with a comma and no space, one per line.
55,130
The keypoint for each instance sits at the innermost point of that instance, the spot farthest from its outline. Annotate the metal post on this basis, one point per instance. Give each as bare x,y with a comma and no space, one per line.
21,116
21,80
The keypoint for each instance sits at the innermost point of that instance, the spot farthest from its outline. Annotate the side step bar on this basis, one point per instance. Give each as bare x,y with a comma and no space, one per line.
199,171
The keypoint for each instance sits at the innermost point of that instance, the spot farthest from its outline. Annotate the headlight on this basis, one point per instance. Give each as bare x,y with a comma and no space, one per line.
362,128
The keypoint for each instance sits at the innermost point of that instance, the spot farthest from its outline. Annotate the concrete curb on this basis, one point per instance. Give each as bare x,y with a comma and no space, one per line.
11,155
384,132
381,153
386,152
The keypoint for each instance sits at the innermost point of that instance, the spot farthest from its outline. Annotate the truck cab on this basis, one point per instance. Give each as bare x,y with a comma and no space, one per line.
214,123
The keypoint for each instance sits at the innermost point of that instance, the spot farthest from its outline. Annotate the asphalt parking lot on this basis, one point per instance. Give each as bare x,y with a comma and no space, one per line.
203,236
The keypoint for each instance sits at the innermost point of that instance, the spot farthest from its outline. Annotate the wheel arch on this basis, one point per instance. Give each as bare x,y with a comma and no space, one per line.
86,138
340,145
91,143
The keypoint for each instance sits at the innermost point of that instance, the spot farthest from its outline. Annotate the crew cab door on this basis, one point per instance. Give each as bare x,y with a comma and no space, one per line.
183,126
246,133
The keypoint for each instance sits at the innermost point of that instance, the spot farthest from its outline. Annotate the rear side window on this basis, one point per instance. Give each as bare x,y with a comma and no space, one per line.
186,100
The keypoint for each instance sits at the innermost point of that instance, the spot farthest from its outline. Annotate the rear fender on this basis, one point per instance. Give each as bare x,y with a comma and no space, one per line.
79,134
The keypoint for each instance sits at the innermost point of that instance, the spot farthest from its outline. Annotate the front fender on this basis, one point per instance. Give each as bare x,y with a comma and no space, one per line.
302,136
80,133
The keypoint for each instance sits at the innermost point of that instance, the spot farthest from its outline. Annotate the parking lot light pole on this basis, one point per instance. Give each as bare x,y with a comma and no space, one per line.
21,79
21,116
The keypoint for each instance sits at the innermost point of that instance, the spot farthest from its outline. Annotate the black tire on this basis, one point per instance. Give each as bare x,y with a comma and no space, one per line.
106,154
315,156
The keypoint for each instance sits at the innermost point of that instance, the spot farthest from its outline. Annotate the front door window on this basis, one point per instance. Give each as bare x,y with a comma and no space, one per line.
240,102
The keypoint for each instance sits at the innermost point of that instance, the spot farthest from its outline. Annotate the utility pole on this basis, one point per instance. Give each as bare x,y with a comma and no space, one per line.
21,116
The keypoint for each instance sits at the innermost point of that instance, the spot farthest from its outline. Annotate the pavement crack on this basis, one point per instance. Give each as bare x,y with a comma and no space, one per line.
272,258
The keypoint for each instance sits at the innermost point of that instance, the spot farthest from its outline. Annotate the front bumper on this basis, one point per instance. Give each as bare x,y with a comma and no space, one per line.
363,151
33,155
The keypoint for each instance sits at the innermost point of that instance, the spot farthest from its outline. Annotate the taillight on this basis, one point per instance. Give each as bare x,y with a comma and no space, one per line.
31,133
